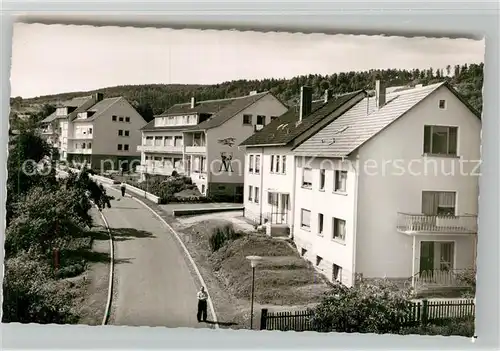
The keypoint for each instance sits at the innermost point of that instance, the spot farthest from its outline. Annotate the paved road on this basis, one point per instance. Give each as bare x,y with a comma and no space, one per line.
155,286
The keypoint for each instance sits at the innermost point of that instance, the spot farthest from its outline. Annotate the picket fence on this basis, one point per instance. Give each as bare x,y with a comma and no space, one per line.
421,313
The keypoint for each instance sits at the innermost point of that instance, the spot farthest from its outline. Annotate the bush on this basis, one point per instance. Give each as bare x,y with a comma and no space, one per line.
221,235
456,327
365,308
31,295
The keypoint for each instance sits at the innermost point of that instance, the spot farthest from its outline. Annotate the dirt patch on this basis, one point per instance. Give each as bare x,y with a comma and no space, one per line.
283,280
94,282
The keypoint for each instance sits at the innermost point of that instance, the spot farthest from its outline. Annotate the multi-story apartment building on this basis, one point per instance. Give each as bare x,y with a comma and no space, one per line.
200,139
103,133
389,188
270,162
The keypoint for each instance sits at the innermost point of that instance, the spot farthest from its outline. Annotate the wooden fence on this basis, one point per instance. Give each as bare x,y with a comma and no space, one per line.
421,313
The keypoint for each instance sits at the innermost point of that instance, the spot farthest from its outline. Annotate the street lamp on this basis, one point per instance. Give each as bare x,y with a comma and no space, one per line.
254,260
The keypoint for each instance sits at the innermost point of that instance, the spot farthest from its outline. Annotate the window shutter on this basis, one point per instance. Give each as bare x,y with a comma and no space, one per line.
427,139
452,140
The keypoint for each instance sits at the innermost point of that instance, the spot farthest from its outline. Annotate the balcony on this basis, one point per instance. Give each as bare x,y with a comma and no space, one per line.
437,278
80,151
82,137
412,224
162,149
196,149
152,169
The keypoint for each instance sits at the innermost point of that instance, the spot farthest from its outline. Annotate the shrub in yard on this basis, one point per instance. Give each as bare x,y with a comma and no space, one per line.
221,235
456,327
367,308
468,278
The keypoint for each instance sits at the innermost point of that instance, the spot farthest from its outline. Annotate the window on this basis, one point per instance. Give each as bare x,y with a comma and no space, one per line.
318,260
277,168
250,164
272,163
272,198
305,219
322,179
438,203
221,187
303,252
261,120
120,119
250,193
283,164
127,133
306,178
337,273
247,119
90,130
203,188
127,119
257,164
320,223
340,181
90,145
338,229
439,140
158,141
83,145
119,147
442,104
125,147
113,118
256,197
120,132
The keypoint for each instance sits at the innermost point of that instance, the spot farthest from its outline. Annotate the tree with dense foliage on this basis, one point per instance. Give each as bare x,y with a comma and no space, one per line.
30,293
367,308
154,99
27,151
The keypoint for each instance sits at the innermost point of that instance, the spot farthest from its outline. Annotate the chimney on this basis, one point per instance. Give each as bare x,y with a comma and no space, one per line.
193,102
98,97
305,102
379,93
328,95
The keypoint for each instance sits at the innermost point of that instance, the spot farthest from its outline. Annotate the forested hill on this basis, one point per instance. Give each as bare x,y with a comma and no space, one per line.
155,98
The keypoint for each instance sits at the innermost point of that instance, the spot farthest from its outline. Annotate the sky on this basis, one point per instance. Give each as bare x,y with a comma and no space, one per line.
52,59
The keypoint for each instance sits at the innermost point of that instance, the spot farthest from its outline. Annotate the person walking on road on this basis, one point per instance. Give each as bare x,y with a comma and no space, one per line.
122,187
202,305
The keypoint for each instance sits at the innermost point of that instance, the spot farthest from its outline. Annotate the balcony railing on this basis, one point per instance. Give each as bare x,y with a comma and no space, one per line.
161,148
196,149
442,278
167,171
80,151
276,217
419,223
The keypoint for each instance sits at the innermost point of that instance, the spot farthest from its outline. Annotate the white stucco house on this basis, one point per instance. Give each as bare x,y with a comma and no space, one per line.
102,132
389,188
270,163
200,139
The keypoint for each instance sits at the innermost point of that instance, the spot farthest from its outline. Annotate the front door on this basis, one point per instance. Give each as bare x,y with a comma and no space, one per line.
426,256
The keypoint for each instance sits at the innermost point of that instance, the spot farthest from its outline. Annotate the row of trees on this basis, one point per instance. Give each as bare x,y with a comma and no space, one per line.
45,215
155,98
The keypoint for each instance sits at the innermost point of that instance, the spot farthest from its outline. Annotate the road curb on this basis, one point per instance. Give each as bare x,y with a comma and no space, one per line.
191,260
111,270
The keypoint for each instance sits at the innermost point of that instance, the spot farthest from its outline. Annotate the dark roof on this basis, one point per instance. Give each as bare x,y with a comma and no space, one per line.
286,128
99,108
221,110
75,102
